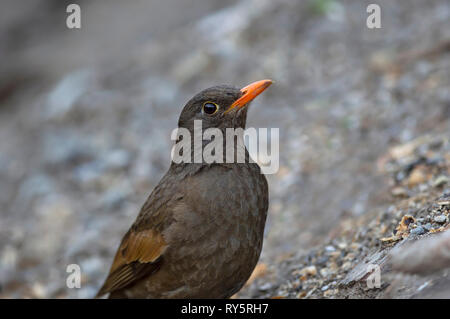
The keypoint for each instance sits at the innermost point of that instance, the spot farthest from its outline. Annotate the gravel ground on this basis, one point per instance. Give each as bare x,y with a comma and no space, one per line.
86,116
342,266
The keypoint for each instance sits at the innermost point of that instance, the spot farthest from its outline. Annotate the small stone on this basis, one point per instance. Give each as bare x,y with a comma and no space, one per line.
38,290
333,267
390,240
417,231
428,227
404,150
400,176
324,272
321,261
265,287
335,254
416,177
308,271
446,192
347,265
441,181
399,192
301,294
330,292
324,288
297,284
330,249
350,256
440,219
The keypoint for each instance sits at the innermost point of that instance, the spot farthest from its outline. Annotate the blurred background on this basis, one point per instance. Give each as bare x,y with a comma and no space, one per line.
86,115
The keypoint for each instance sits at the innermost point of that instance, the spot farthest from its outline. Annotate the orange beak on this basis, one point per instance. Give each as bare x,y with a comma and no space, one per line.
250,92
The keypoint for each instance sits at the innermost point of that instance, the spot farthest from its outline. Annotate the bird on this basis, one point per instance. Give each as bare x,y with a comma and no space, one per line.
200,232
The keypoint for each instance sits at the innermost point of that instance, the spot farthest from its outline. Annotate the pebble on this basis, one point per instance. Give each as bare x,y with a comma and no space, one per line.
330,293
446,192
417,231
321,261
416,177
347,265
441,180
324,272
444,203
310,270
399,192
265,287
330,249
38,290
440,219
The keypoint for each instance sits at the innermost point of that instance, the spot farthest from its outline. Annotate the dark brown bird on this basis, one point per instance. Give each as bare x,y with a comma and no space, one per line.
200,232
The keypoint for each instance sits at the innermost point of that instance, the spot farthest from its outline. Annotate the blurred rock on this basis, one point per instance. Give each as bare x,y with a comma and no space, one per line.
424,256
62,98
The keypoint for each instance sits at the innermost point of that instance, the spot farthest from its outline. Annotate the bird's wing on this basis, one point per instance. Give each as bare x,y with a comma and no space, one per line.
137,256
141,250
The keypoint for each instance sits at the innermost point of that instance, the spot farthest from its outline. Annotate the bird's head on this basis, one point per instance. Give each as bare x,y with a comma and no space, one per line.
221,106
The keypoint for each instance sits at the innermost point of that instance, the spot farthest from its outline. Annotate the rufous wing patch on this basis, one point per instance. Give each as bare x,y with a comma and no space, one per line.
135,258
144,246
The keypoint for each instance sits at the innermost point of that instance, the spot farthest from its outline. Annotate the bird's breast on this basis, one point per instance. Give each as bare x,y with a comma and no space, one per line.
217,236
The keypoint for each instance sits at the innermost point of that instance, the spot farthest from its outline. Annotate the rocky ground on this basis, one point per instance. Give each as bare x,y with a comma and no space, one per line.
344,264
86,117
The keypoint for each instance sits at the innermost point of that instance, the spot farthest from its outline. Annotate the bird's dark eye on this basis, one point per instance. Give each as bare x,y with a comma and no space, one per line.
210,108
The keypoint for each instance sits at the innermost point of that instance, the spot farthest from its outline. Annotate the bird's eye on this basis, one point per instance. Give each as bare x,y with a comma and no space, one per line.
210,108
